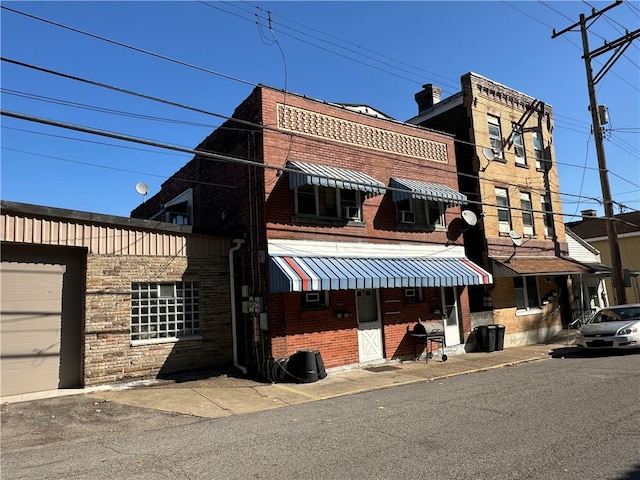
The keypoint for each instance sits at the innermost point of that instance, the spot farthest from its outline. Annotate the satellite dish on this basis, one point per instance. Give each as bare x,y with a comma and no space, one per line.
488,153
469,217
516,238
142,188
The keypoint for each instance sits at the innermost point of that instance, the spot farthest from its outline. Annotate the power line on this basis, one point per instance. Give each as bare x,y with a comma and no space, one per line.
220,157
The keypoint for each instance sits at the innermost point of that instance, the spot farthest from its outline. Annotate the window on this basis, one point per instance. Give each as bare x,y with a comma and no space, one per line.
538,150
314,300
421,212
413,295
504,215
518,144
327,202
179,210
164,311
547,216
526,293
495,136
527,213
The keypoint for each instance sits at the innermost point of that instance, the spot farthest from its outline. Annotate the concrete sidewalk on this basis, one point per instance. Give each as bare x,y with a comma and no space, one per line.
223,395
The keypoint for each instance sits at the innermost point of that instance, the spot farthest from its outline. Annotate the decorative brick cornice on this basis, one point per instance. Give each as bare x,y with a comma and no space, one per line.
313,124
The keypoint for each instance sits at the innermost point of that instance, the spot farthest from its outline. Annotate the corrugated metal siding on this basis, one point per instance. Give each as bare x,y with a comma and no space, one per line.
106,240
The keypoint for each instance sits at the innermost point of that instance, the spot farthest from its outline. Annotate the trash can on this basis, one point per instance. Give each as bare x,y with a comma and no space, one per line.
303,366
500,336
480,334
485,338
491,338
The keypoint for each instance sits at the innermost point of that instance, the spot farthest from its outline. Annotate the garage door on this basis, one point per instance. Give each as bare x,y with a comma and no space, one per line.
30,327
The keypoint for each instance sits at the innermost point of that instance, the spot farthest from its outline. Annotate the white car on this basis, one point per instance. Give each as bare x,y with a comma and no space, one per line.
612,327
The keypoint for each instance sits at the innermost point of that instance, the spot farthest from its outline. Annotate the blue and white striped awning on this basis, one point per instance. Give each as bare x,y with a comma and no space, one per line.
323,175
307,274
405,189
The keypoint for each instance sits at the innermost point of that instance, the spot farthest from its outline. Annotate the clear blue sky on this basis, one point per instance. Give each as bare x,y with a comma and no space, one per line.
374,53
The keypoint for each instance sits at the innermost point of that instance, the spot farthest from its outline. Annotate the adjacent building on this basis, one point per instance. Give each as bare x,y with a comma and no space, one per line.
347,227
593,229
89,299
506,169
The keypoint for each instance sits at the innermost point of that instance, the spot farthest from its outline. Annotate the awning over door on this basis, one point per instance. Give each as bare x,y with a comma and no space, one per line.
305,274
424,191
531,266
334,177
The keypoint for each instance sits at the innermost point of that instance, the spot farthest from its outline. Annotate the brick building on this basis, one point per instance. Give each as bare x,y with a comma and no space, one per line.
89,299
506,164
348,227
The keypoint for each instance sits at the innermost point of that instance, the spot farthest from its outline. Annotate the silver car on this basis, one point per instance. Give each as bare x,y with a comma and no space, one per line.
612,327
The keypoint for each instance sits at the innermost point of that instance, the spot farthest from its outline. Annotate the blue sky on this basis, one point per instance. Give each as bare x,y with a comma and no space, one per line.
374,53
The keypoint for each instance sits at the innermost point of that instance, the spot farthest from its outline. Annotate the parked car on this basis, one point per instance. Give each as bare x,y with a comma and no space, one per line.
612,327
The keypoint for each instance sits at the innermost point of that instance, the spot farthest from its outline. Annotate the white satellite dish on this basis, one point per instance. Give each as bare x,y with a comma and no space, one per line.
142,188
469,217
516,238
488,153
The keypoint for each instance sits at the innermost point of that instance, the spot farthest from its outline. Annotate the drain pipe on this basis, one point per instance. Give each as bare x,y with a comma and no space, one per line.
232,281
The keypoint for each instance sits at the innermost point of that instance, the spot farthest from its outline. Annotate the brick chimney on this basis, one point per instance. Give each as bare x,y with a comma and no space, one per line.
428,97
588,214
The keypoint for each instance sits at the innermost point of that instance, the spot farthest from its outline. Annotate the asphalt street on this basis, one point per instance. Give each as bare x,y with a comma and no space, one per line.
568,417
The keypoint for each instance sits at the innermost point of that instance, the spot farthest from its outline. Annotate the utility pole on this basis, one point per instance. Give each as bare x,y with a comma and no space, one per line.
620,45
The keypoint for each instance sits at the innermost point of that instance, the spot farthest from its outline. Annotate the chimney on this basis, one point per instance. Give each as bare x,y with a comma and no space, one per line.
428,97
588,214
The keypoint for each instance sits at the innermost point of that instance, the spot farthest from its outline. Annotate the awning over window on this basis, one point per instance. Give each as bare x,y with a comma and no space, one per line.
334,177
305,274
424,191
517,266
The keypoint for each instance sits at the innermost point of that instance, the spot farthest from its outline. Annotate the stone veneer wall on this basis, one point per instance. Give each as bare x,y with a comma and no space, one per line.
109,355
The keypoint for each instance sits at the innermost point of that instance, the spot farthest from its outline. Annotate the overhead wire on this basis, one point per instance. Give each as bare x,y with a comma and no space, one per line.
174,104
206,153
120,44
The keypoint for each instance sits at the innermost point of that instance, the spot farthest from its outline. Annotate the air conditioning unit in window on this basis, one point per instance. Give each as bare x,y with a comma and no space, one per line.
350,213
407,217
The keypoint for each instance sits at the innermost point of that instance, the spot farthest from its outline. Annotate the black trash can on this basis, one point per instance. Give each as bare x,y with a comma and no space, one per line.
482,338
491,337
322,373
303,366
500,336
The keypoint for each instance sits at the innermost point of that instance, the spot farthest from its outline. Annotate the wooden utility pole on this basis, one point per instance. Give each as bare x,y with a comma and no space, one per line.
620,45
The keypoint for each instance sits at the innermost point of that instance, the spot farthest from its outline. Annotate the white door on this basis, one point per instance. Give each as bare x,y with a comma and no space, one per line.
369,326
451,316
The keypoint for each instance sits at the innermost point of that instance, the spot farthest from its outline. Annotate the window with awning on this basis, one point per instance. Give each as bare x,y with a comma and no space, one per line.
423,203
331,192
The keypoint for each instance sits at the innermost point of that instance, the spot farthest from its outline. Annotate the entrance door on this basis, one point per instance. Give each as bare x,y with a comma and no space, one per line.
451,316
369,326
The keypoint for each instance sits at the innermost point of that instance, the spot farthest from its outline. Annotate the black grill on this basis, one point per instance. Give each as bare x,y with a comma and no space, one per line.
426,334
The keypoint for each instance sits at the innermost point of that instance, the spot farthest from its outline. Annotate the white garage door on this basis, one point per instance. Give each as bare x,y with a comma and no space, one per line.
30,326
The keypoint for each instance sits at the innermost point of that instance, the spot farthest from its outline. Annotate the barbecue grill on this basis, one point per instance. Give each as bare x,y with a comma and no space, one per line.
426,334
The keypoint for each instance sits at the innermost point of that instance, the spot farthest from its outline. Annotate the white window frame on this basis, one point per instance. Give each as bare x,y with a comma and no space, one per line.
538,150
316,300
527,302
345,209
495,136
547,216
528,223
503,206
163,312
517,138
422,210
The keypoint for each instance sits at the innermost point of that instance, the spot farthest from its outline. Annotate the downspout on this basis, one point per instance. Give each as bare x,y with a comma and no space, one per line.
232,282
